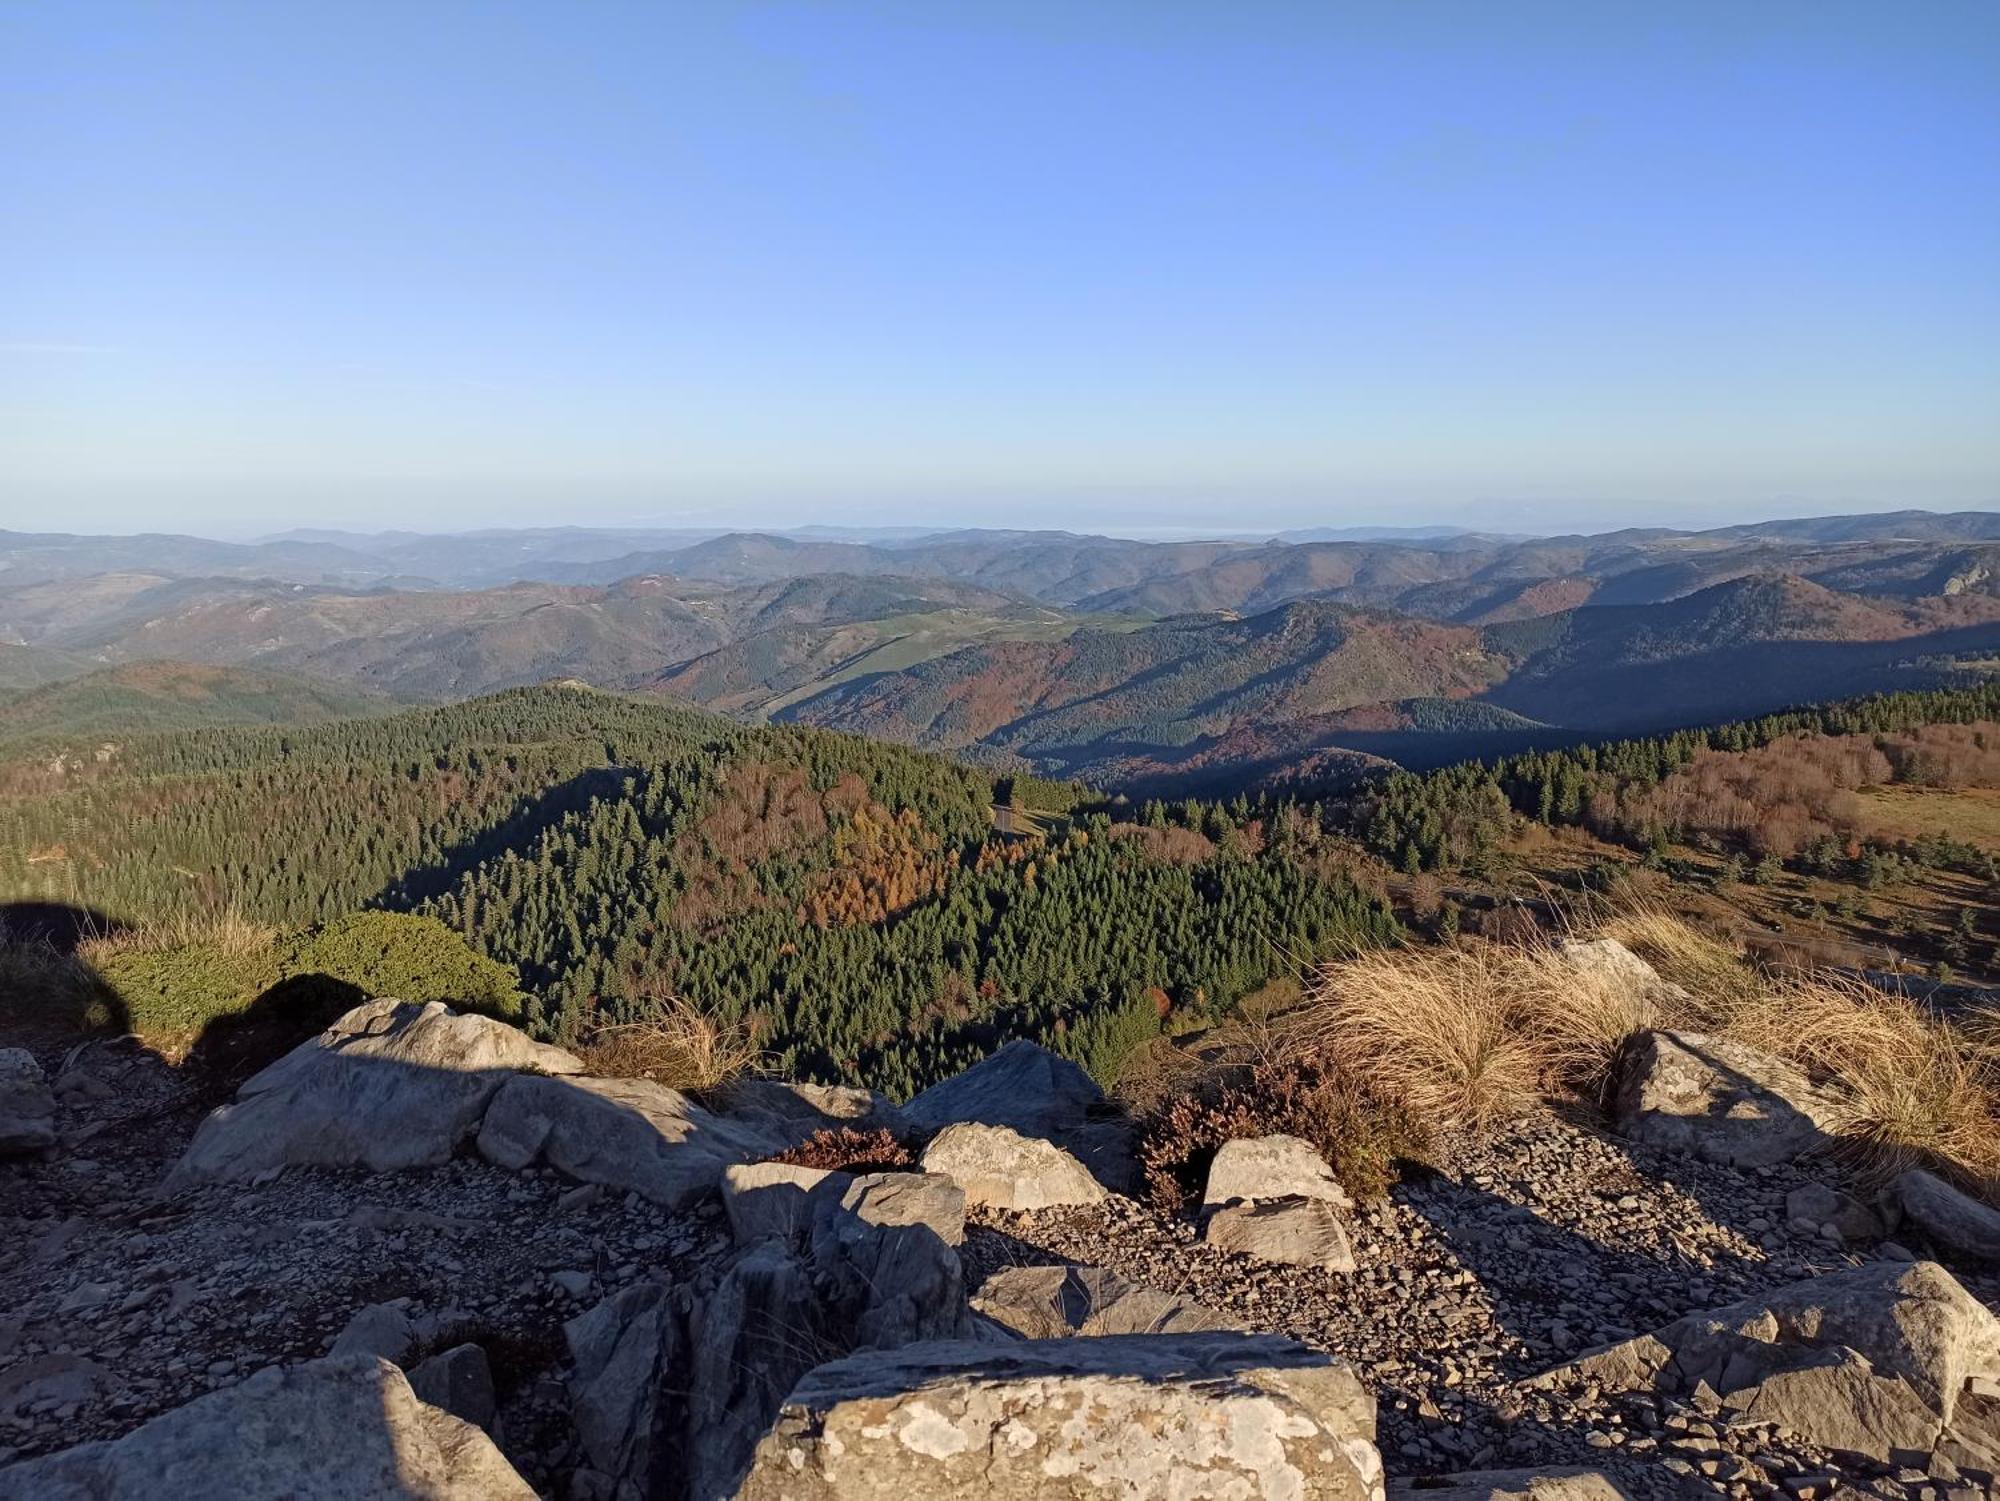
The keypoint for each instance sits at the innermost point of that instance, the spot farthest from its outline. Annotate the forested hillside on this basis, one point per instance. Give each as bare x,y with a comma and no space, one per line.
849,901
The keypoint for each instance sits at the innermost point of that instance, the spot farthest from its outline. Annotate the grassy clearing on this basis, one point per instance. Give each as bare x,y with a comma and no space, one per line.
1968,813
192,975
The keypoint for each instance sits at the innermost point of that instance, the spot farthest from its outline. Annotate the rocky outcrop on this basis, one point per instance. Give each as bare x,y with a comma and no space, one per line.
999,1167
863,1263
1142,1415
1871,1361
751,1339
1512,1485
389,1085
629,1134
1720,1101
328,1430
1022,1086
927,1199
1270,1167
459,1380
796,1111
1289,1232
27,1105
625,1354
1951,1220
886,1283
1051,1302
775,1200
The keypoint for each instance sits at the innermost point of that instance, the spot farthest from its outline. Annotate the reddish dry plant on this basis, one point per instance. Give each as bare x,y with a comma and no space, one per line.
843,1149
1362,1137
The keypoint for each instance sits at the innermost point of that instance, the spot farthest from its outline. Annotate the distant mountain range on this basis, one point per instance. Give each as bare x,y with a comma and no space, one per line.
1149,663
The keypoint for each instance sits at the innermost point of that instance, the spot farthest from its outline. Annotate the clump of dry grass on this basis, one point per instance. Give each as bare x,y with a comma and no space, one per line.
1443,1031
1717,975
226,934
1914,1090
678,1045
41,984
1470,1035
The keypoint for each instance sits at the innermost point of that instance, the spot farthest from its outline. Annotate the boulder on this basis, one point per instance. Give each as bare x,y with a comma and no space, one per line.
1954,1221
381,1329
796,1111
327,1430
630,1134
885,1283
928,1199
1193,1415
999,1167
1051,1302
1270,1167
1869,1361
1023,1086
1720,1101
389,1085
460,1380
751,1339
1608,963
775,1200
623,1353
1289,1232
1514,1485
27,1105
1818,1208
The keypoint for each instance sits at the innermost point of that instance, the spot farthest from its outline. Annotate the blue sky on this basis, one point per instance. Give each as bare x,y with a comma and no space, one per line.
1137,266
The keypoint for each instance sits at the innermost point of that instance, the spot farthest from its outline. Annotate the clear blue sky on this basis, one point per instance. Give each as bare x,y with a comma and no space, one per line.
1131,265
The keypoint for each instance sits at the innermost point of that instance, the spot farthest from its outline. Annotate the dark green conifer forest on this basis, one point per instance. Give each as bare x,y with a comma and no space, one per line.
851,901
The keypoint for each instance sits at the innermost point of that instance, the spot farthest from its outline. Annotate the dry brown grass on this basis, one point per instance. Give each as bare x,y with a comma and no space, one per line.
227,934
1716,974
42,985
1916,1090
1471,1035
678,1045
1443,1031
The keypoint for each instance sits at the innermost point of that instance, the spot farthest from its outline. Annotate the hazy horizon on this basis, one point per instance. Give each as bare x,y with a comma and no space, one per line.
864,532
1124,268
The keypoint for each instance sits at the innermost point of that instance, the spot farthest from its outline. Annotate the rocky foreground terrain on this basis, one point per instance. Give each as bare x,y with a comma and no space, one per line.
422,1255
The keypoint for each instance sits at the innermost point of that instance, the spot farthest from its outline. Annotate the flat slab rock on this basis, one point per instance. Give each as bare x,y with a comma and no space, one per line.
629,1134
389,1085
1873,1360
328,1430
1051,1302
1720,1101
1286,1232
1198,1415
1954,1221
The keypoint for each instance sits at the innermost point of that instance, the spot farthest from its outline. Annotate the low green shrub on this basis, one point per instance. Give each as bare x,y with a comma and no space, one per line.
179,983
